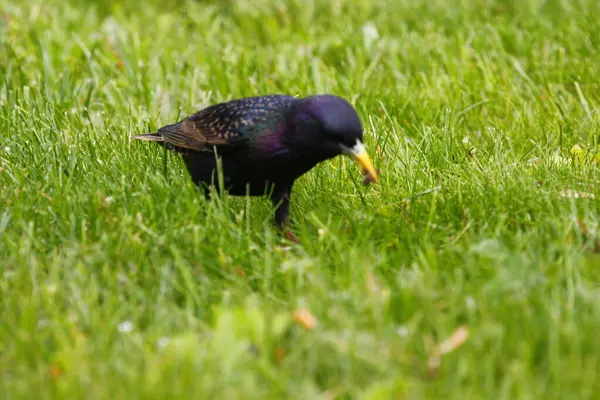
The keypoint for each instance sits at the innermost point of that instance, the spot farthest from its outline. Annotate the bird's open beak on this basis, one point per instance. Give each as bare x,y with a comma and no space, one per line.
360,155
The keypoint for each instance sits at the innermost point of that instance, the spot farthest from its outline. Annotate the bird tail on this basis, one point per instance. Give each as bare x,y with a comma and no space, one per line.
153,137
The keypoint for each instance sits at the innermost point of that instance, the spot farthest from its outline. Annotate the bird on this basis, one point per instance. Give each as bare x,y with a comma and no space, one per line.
263,144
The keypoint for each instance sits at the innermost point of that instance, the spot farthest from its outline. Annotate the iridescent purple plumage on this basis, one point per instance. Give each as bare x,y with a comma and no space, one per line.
265,143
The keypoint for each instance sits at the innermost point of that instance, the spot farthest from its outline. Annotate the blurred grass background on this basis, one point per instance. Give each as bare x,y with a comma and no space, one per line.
120,281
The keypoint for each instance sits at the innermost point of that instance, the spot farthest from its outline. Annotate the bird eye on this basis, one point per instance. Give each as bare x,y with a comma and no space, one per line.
307,118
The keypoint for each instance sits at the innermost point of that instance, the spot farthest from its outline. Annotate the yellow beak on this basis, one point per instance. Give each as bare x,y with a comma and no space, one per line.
360,155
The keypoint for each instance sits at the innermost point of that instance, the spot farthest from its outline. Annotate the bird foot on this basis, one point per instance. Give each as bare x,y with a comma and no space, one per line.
291,237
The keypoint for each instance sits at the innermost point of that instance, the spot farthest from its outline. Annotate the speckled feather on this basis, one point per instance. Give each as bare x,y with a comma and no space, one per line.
265,143
226,124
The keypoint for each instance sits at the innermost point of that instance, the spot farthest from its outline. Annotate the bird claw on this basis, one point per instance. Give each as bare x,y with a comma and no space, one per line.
291,237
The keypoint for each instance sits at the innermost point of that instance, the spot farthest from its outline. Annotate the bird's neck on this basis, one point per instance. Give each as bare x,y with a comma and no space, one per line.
272,145
279,157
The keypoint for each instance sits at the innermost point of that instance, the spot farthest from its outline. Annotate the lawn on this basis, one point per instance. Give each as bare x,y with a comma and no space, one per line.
471,270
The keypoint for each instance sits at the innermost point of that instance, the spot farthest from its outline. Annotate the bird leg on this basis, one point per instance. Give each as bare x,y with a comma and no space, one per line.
207,193
281,202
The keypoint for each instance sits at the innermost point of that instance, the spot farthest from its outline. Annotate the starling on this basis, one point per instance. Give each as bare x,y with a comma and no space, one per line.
265,143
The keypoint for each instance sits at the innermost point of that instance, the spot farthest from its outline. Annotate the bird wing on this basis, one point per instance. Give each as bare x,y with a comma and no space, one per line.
226,124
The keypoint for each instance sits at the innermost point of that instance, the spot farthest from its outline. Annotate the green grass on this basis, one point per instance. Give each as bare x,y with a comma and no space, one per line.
118,280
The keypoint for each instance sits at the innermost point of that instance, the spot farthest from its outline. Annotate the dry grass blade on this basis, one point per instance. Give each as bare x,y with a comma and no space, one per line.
457,339
304,318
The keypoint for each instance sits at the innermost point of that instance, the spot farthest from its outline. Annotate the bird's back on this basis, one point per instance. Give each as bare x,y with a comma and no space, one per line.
241,118
225,125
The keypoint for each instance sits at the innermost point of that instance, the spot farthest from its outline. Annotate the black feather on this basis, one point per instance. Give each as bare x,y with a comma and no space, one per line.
265,143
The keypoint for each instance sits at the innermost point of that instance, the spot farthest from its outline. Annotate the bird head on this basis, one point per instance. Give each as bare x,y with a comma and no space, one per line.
328,126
